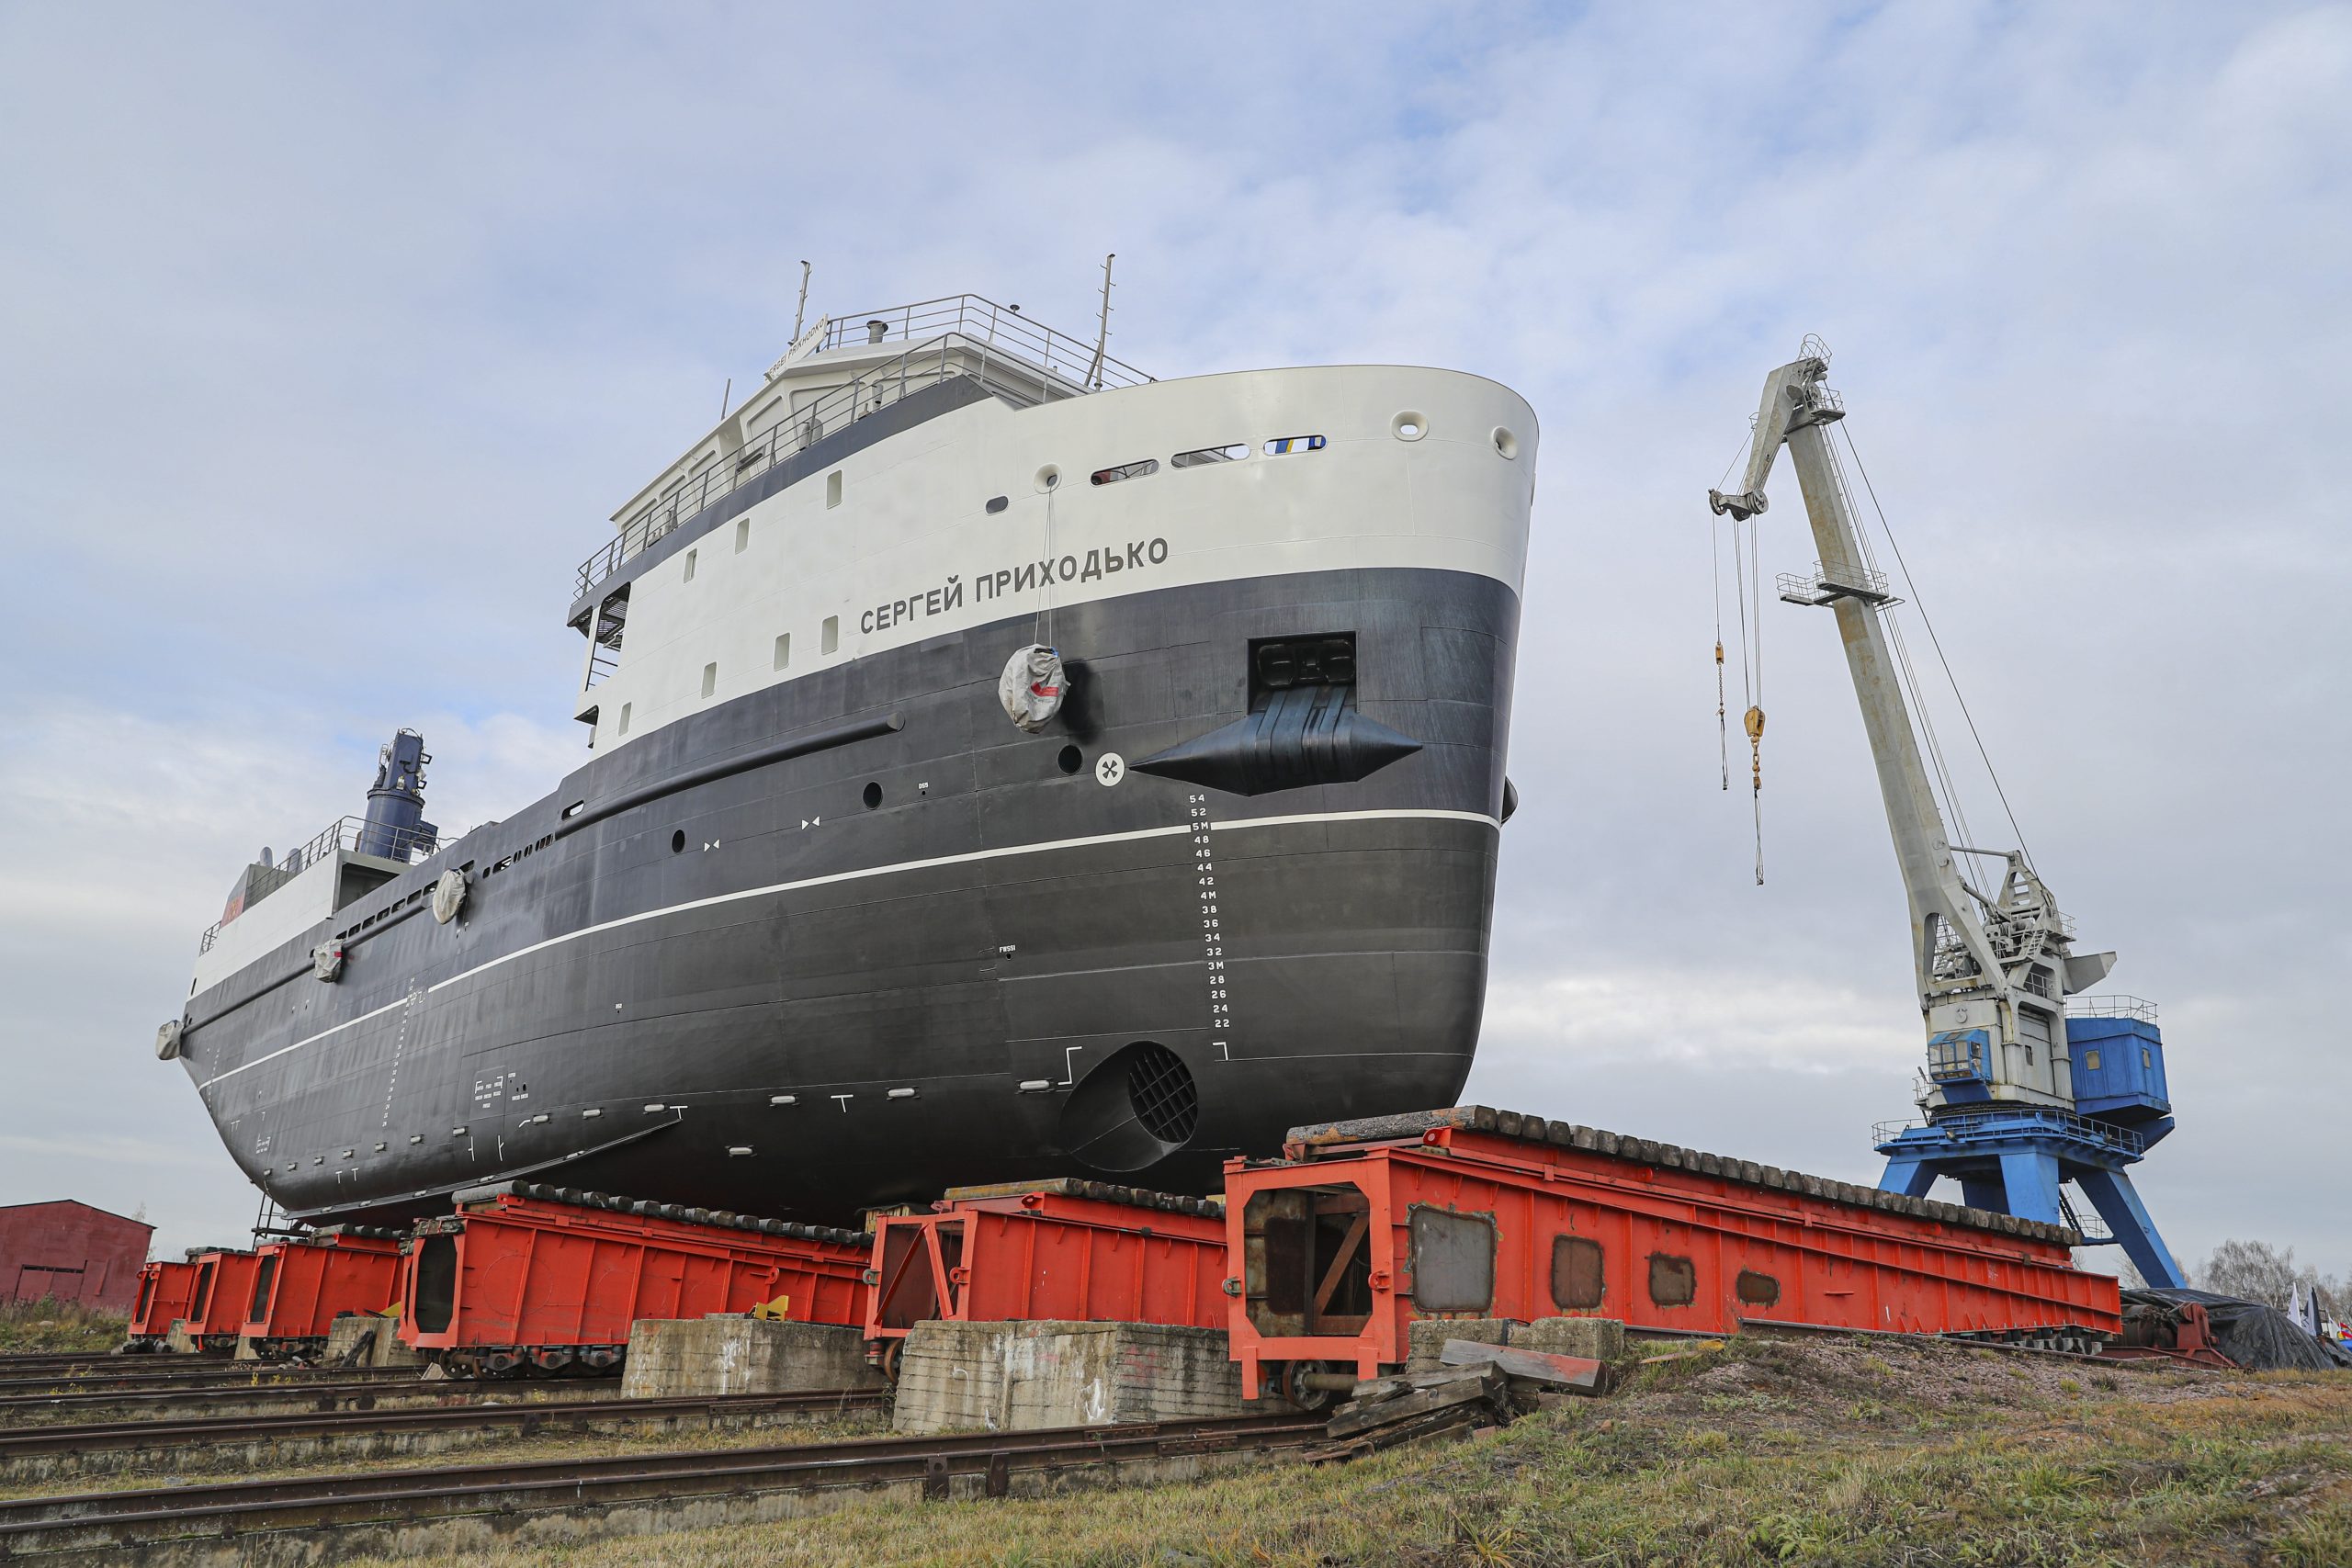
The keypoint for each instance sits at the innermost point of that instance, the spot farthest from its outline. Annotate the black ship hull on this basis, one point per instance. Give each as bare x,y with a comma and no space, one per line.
850,940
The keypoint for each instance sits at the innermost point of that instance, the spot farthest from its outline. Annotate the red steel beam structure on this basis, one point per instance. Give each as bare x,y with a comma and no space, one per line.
1063,1250
549,1277
164,1292
216,1308
1365,1226
303,1283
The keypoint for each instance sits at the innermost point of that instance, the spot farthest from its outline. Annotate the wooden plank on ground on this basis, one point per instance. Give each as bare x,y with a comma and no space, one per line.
1559,1371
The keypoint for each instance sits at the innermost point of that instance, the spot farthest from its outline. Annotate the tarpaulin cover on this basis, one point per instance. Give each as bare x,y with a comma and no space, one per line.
2258,1338
1031,687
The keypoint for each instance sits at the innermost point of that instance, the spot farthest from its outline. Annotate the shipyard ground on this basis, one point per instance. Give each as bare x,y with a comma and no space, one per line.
1764,1451
38,1327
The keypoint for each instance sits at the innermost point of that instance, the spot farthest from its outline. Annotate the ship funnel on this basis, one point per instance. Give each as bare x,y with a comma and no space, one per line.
874,331
395,828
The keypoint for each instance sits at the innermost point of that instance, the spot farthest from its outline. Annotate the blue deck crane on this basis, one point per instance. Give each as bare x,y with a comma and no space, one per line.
2025,1090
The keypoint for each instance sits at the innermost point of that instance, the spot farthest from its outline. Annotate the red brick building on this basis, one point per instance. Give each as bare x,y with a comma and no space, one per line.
71,1251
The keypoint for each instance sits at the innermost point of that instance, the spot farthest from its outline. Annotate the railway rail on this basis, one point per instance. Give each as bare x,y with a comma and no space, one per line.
209,1374
46,1453
242,1521
357,1391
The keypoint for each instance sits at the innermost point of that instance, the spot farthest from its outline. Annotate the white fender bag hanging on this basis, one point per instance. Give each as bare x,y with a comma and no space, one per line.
1031,687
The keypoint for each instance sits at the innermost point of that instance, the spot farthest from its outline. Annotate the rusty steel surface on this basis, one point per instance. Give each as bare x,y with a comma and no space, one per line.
302,1285
1476,1213
1063,1251
511,1279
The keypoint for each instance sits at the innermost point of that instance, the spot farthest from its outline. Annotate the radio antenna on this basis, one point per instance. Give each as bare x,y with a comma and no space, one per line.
1102,336
800,312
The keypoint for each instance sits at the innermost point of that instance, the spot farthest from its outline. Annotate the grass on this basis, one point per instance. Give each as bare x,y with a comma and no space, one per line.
52,1324
1766,1452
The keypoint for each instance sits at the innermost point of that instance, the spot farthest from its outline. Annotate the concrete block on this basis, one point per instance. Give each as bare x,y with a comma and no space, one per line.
1427,1338
670,1357
386,1350
1012,1377
1597,1338
178,1340
244,1351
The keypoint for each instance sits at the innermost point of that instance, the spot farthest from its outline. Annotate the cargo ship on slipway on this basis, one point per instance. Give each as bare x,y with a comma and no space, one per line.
1001,764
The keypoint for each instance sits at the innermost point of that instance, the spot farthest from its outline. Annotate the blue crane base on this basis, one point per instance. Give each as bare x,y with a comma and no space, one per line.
2015,1161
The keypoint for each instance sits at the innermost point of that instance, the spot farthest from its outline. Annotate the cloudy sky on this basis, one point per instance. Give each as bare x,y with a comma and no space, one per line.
329,337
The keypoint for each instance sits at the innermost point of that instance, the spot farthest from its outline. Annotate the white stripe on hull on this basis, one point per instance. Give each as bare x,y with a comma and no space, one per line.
932,863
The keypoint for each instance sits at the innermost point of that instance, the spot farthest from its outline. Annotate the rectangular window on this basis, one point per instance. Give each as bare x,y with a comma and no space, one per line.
743,534
1576,1273
2090,1061
783,649
710,679
623,726
1281,445
831,641
690,566
1204,455
833,488
1453,1260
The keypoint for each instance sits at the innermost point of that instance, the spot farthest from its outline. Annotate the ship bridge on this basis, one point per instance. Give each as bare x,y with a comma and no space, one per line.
843,370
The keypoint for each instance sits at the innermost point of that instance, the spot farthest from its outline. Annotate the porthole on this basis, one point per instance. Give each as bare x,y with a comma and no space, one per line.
998,503
1071,759
1506,444
1048,478
1408,427
678,841
873,795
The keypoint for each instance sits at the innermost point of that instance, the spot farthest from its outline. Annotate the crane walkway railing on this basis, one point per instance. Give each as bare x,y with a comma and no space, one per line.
2015,1121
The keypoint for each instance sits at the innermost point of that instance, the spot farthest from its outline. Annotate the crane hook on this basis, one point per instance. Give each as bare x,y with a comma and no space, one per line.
1755,724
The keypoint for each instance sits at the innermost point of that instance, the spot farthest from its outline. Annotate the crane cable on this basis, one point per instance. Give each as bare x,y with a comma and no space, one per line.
1937,642
1722,729
1746,580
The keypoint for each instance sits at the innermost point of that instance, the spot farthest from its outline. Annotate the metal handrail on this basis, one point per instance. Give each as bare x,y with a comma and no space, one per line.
409,844
963,335
1003,326
2119,1006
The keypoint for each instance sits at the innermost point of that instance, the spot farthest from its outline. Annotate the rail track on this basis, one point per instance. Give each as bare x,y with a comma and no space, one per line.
320,1519
46,1453
348,1392
206,1375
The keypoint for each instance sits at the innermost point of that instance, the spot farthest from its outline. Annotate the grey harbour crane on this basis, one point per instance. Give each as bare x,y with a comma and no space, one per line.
2024,1090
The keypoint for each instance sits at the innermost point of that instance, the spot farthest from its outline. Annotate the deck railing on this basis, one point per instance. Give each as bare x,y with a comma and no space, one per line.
408,844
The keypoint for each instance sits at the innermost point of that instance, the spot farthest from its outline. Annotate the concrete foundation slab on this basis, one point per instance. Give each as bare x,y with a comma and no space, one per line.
385,1350
1596,1338
670,1358
1006,1377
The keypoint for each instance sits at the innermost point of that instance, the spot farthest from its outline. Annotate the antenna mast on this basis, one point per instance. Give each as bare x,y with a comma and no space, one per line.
800,312
1102,336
